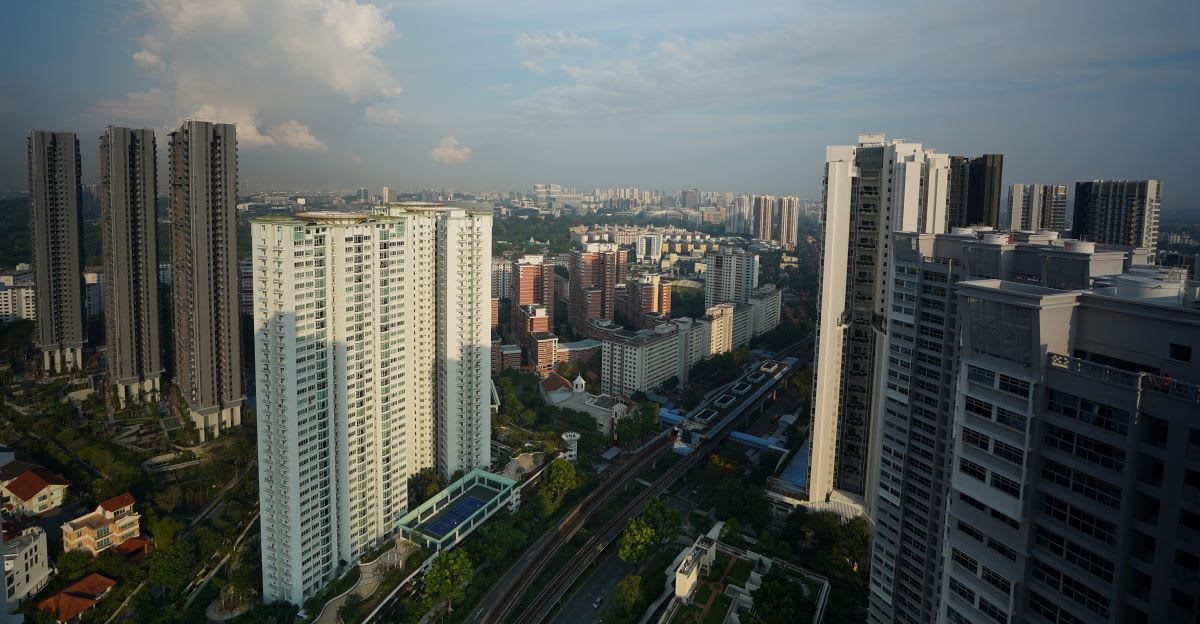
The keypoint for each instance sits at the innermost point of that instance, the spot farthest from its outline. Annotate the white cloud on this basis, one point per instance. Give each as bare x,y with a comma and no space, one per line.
263,64
384,116
550,44
137,106
148,60
292,133
533,67
449,152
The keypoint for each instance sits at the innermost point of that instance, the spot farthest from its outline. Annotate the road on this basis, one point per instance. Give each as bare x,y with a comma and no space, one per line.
579,610
603,578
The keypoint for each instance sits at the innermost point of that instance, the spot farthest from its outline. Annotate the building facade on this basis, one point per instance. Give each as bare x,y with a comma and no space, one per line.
1118,212
27,564
729,277
18,295
203,200
372,334
596,268
56,239
1034,207
129,235
1075,487
917,384
861,209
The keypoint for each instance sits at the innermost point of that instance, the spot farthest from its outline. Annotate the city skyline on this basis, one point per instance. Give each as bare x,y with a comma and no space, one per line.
587,99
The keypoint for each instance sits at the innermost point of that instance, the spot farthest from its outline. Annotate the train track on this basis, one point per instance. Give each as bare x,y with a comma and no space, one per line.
562,580
499,610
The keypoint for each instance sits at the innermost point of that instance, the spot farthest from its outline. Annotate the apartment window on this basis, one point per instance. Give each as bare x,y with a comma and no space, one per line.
1006,485
974,438
972,469
1011,419
963,559
980,408
1013,386
994,579
1085,448
992,611
1075,554
1079,519
1004,550
1008,452
1087,411
1067,585
966,593
1180,353
981,375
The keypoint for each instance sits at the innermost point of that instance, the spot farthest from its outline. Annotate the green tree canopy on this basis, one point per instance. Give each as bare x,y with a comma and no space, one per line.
637,542
560,478
450,572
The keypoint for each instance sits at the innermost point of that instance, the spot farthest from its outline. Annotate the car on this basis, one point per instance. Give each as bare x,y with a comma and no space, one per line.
596,604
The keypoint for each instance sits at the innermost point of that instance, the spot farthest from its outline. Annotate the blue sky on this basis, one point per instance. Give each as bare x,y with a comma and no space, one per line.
742,96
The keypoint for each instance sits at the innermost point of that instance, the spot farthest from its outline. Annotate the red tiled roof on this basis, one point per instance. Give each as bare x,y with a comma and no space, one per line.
555,382
118,502
133,544
76,599
31,482
13,469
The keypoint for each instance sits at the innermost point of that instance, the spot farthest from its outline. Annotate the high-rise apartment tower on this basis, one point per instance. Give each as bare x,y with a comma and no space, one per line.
1118,212
56,238
372,352
129,235
203,200
870,190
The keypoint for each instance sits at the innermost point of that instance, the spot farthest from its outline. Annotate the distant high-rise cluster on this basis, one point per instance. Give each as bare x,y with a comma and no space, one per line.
371,333
1118,212
974,190
595,271
1033,207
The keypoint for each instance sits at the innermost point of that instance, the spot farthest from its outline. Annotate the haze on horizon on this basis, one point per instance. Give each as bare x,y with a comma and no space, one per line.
469,94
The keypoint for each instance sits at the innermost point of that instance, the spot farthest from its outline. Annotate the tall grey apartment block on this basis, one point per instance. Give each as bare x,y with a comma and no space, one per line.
918,400
56,239
203,199
1075,487
1118,212
129,234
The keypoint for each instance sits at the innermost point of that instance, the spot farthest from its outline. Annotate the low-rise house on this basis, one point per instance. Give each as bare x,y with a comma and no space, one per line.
70,604
34,491
113,522
604,409
26,564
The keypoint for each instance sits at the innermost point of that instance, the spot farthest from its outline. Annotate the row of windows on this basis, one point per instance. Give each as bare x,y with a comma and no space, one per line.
1096,489
1087,597
1074,517
1086,448
1075,554
1084,410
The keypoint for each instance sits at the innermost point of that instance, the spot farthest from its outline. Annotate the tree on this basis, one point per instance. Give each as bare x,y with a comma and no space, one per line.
665,521
169,498
423,485
173,566
779,601
637,542
560,478
627,595
498,538
164,530
72,564
449,573
732,531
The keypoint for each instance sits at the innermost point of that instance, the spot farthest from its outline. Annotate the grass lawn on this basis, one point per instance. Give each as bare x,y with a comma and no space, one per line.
703,593
716,612
687,614
740,572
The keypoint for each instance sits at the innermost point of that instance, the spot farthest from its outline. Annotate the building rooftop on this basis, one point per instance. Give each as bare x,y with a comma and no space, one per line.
31,482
